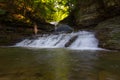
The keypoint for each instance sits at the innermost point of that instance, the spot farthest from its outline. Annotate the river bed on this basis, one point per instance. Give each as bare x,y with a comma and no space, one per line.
58,64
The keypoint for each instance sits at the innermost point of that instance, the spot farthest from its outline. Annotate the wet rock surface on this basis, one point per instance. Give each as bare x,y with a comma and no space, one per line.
108,33
63,28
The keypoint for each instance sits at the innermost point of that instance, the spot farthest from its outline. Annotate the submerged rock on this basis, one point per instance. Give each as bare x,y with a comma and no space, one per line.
108,33
71,41
63,28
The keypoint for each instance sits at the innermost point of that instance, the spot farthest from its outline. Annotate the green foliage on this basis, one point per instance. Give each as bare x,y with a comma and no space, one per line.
2,11
47,10
52,10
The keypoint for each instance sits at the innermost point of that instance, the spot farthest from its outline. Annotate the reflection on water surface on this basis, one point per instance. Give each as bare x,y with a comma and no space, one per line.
58,64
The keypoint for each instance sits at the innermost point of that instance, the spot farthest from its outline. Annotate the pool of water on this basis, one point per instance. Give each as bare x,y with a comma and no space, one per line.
58,64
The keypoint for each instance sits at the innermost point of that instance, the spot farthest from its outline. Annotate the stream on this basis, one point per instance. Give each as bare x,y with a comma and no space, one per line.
17,63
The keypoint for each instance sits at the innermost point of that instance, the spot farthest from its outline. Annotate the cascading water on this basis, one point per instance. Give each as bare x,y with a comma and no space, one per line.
81,40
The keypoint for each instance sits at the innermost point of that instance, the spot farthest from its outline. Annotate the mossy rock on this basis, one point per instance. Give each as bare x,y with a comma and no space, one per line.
108,33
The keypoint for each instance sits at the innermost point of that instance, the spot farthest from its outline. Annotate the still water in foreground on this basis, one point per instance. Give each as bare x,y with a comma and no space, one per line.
58,64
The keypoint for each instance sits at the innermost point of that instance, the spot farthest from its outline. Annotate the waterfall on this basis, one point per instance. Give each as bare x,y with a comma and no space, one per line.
81,40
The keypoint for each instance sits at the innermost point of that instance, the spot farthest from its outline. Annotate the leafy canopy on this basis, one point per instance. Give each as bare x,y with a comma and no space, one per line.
48,10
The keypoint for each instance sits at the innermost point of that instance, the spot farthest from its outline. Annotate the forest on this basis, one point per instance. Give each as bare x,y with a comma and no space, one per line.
44,11
34,11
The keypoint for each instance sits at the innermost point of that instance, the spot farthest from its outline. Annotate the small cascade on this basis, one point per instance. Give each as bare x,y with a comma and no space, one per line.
81,40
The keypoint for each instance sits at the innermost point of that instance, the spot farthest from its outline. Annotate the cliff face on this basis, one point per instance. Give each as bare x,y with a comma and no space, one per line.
91,12
108,33
101,16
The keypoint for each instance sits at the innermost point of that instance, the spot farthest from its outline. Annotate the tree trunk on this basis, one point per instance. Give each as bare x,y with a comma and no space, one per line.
35,29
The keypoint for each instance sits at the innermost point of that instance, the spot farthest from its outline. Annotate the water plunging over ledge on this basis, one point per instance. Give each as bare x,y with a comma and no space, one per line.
81,40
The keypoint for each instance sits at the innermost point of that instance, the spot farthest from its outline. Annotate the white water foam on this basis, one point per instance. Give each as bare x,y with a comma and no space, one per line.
84,41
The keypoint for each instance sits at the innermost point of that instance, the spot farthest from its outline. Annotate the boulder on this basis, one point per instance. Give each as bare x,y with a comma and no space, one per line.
63,28
108,33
